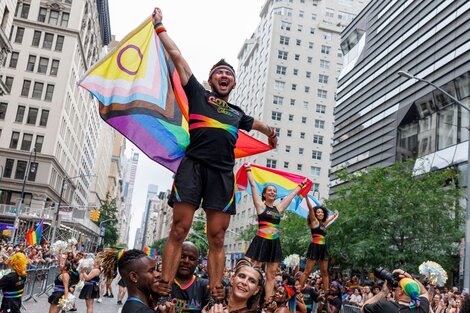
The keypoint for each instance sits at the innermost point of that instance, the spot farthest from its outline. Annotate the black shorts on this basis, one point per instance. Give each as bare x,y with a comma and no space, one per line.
195,181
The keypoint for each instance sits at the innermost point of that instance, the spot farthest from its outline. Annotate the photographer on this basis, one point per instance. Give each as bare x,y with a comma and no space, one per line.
409,294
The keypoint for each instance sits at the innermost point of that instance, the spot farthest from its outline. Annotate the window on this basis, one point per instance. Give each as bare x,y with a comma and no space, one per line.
294,86
65,19
271,163
298,42
276,116
20,169
278,100
299,167
32,116
15,137
277,131
302,135
297,57
26,143
285,25
287,148
282,55
316,155
53,17
49,92
25,10
301,151
325,49
327,36
36,38
307,89
310,45
318,139
309,59
284,40
292,101
3,110
44,118
38,144
304,120
289,133
31,63
281,70
59,43
48,38
315,171
306,104
279,85
20,114
299,28
291,117
37,90
325,64
14,59
42,15
286,164
5,18
320,108
323,79
9,82
25,89
312,30
43,64
322,93
329,12
320,124
19,34
54,67
296,71
308,74
8,167
314,16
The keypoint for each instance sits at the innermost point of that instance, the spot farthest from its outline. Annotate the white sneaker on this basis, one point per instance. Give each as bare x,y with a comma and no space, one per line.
99,300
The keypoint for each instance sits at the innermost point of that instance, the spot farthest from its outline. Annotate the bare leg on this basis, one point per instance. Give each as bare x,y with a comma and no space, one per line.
217,224
271,270
324,274
121,293
308,269
53,308
183,213
89,305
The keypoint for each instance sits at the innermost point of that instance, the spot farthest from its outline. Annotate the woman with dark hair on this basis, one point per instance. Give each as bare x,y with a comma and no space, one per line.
61,287
90,290
317,220
245,293
266,246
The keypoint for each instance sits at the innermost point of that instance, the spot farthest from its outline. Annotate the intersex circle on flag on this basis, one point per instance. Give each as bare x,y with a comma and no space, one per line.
127,61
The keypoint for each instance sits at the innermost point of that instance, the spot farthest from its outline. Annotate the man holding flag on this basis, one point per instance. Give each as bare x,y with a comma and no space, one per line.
206,172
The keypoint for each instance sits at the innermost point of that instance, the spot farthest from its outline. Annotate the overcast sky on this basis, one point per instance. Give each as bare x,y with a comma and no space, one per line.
205,31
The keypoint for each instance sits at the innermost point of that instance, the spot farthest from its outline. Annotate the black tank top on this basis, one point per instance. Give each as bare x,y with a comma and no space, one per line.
318,234
269,218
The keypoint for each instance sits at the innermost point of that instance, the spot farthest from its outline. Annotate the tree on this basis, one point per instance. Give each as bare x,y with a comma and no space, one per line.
108,212
159,245
390,217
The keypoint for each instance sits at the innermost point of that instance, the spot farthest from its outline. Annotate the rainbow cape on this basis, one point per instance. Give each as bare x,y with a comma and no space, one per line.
140,95
302,208
151,252
283,181
33,236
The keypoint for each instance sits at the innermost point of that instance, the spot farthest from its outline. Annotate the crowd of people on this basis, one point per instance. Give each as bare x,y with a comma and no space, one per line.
37,255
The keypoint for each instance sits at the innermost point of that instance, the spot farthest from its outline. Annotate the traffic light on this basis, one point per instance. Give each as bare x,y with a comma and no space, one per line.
94,215
205,228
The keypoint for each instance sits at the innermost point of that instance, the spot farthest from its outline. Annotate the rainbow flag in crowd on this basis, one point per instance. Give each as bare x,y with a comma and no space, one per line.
302,208
284,182
140,95
33,236
151,252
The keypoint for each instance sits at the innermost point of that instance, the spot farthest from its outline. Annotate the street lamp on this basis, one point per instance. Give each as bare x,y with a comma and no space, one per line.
28,169
55,221
466,270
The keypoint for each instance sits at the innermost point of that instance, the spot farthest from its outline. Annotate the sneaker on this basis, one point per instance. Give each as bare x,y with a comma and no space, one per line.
119,302
111,296
99,300
105,295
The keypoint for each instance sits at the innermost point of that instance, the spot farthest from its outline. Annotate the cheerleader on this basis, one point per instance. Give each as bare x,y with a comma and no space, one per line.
12,284
266,246
61,287
90,290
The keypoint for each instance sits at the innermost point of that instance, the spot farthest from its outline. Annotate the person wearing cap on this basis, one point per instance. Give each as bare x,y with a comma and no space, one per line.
206,172
410,296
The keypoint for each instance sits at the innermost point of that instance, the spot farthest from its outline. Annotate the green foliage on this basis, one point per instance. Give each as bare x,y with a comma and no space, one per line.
388,217
159,245
198,237
108,214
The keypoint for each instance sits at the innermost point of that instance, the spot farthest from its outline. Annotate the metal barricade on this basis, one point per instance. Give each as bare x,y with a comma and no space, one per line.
39,281
346,308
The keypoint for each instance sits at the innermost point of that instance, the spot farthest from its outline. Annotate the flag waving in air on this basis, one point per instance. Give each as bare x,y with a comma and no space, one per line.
140,95
283,181
33,236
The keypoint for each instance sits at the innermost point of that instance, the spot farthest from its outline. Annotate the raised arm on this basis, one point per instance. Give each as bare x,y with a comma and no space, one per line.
181,65
268,131
330,218
311,213
287,200
258,203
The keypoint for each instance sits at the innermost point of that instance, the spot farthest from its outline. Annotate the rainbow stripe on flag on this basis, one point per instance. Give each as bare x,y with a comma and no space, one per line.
302,208
285,182
33,236
140,95
151,252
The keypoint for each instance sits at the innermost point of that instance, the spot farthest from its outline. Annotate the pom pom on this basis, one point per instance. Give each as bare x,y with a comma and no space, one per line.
85,264
72,242
58,247
436,275
66,304
292,260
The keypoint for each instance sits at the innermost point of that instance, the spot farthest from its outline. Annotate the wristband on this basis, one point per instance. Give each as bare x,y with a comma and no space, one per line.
302,185
272,134
159,28
248,168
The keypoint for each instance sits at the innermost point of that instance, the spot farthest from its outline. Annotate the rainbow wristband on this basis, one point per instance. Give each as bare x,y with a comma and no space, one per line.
159,28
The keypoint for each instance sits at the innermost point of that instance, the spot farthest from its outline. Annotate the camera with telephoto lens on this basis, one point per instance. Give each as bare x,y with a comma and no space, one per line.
383,274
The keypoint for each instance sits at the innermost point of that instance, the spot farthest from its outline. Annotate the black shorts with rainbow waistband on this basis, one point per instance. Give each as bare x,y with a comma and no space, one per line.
196,181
